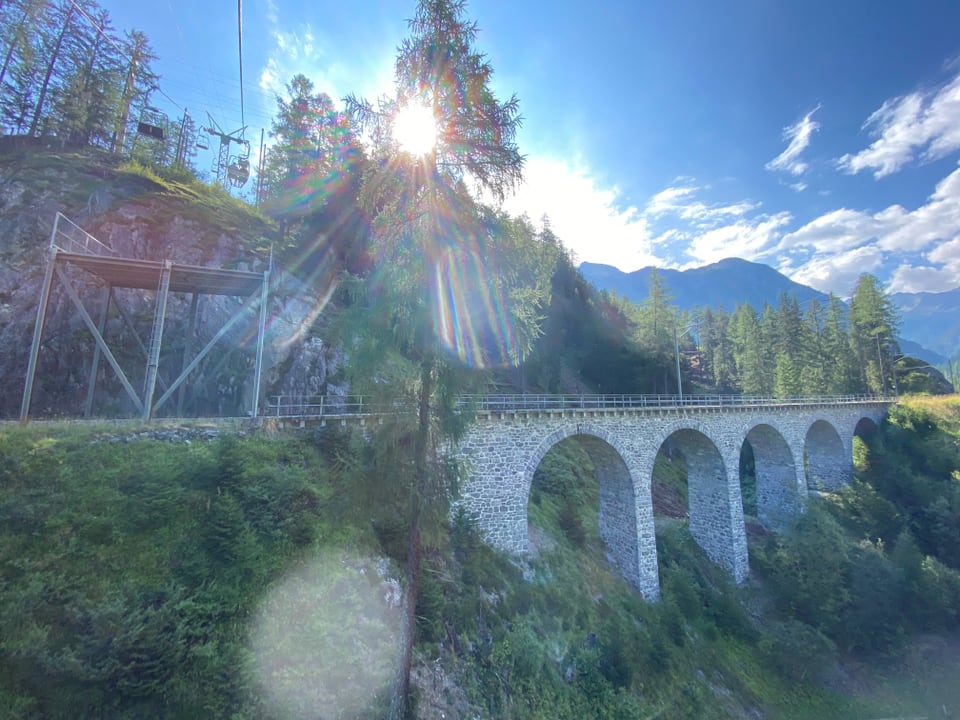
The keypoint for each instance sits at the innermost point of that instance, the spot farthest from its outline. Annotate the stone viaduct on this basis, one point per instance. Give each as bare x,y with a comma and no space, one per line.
797,444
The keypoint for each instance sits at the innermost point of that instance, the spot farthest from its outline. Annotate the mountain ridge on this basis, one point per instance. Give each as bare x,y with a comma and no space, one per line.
930,321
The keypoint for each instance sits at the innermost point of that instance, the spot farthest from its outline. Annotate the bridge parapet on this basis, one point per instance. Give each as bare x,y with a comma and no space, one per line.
293,406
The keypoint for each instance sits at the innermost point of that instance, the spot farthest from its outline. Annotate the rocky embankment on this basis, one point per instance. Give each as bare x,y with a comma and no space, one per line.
140,217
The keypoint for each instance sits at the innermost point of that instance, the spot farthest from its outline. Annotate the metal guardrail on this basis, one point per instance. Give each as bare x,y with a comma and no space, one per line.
71,238
291,406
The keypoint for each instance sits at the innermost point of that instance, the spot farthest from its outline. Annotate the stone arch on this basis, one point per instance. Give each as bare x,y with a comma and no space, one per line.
625,508
866,426
779,493
714,500
829,464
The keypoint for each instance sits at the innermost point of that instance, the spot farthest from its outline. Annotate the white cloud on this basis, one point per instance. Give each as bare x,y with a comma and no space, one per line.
799,135
678,228
586,217
895,228
273,12
704,232
667,199
925,123
935,221
838,272
748,238
943,275
678,200
840,235
834,232
298,48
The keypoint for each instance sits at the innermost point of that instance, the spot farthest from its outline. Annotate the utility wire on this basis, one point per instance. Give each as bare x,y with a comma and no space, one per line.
240,46
123,53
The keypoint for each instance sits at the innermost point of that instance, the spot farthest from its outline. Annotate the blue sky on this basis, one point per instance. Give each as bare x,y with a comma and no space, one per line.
819,137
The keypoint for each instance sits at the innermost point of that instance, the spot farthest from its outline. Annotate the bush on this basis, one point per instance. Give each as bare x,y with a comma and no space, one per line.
797,650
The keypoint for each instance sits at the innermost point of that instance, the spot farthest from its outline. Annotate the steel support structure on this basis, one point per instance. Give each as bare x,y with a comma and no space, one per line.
188,348
95,364
163,278
38,331
156,339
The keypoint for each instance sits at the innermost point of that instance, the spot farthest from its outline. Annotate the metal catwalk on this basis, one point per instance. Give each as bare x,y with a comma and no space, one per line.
71,246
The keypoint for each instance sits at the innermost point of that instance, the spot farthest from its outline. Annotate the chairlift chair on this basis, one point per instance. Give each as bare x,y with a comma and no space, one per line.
238,170
152,123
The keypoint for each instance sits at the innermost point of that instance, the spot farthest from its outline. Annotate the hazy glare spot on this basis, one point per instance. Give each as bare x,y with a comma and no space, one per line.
324,639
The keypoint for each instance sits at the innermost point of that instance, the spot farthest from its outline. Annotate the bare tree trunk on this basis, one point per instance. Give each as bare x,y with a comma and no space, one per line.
401,685
46,78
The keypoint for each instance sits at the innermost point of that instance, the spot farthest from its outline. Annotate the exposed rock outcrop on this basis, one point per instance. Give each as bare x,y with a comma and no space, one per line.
144,218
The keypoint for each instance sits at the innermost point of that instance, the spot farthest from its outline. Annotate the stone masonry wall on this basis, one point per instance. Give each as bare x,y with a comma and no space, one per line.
503,451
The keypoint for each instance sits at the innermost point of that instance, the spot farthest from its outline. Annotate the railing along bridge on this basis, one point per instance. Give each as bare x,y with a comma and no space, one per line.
345,406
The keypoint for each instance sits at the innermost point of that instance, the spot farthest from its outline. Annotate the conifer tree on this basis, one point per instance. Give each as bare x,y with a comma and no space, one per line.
54,46
754,365
716,349
873,325
312,145
425,225
139,82
657,318
85,108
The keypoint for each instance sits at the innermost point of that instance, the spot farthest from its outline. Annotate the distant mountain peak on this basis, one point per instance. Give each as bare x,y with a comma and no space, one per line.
727,282
930,319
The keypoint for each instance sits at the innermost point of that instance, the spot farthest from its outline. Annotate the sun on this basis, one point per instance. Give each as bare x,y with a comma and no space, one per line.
415,130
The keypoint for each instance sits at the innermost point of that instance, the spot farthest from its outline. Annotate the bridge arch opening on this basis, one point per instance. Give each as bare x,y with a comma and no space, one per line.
863,434
865,428
576,472
714,506
768,477
829,466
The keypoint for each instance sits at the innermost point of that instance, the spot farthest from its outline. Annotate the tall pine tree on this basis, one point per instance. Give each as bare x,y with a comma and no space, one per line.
873,325
427,238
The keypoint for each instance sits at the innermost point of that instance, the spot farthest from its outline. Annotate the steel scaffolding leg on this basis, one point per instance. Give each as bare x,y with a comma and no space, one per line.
188,348
131,326
261,328
95,364
37,333
101,343
156,338
247,305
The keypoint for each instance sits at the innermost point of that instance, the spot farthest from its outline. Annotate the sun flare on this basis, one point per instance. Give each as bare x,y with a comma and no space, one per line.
415,130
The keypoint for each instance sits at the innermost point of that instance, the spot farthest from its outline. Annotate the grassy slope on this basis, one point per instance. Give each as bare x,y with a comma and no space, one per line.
133,578
134,574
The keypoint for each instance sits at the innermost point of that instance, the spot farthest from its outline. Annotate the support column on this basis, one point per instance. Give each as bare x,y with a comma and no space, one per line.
95,363
156,338
88,321
188,348
261,329
38,331
715,501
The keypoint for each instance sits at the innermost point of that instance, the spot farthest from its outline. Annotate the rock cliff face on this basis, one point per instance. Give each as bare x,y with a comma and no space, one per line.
144,218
